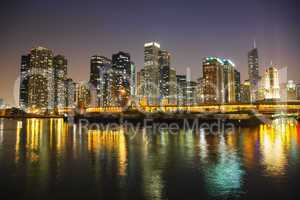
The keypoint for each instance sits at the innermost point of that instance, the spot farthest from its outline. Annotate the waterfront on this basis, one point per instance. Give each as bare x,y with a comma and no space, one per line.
50,159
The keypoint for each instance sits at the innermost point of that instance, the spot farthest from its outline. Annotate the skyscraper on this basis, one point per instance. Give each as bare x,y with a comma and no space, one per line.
41,79
25,65
237,85
191,93
253,70
229,81
70,96
121,65
213,75
100,66
83,95
151,73
271,84
245,92
132,79
60,75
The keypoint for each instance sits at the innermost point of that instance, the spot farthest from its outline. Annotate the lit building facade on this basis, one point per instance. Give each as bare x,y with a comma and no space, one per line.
41,79
150,85
245,92
213,75
83,95
100,71
181,90
229,81
271,84
237,85
24,78
291,91
132,79
60,76
191,93
70,94
121,66
253,71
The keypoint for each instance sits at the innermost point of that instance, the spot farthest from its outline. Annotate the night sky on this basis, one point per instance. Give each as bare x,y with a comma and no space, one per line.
190,30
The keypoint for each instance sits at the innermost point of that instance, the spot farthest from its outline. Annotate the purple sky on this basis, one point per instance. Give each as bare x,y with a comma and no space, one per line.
190,30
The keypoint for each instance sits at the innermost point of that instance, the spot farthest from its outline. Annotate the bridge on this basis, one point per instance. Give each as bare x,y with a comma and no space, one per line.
262,107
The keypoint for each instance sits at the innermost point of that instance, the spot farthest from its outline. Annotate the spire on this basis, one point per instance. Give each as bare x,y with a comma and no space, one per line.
254,44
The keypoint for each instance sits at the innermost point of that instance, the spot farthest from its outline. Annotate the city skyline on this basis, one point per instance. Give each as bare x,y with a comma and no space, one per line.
276,39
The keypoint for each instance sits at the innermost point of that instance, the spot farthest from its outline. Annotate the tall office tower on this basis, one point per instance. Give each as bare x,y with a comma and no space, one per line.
167,80
121,65
245,92
253,70
181,90
132,79
271,84
41,79
191,92
83,95
23,98
60,75
70,93
100,66
164,81
151,73
164,58
200,96
213,75
172,87
291,91
237,84
229,81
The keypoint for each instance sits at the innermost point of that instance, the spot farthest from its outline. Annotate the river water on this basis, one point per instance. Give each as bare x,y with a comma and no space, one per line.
51,159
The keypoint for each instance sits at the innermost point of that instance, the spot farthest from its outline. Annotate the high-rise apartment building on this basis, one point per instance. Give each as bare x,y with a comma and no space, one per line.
229,81
213,75
60,76
41,79
121,66
70,94
24,78
150,88
99,78
181,89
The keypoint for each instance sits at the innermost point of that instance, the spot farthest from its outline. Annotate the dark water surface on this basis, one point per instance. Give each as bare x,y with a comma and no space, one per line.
50,159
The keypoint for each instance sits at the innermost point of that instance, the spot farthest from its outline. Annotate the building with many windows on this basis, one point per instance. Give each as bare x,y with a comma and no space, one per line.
99,78
60,76
253,71
41,85
150,75
213,75
245,92
24,78
121,66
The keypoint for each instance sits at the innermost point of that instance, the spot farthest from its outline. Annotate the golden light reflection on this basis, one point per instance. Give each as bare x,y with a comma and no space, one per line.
34,129
111,141
18,135
275,142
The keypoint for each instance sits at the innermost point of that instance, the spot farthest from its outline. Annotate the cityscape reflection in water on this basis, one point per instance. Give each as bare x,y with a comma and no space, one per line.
49,158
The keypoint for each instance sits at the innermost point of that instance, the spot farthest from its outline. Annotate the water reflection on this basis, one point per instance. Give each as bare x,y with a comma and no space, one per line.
275,143
147,164
109,142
